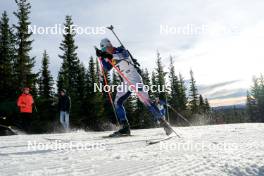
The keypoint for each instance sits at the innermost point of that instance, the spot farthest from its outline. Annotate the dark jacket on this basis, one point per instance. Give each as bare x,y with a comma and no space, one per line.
65,103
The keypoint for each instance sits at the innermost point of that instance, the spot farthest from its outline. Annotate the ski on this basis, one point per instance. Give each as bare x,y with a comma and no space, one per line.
7,130
62,140
119,136
151,142
143,141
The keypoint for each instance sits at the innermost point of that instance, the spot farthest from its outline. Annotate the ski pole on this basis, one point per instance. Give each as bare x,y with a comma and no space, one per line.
176,133
181,116
109,93
111,28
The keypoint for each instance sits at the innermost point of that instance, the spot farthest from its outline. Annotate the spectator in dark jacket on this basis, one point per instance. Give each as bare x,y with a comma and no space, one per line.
64,108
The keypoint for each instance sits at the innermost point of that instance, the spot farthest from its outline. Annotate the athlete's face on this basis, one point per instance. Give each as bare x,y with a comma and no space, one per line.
110,49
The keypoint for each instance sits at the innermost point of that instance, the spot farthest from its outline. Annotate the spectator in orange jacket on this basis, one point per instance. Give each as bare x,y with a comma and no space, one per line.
25,103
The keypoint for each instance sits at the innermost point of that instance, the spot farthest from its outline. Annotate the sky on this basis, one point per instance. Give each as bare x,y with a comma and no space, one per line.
221,41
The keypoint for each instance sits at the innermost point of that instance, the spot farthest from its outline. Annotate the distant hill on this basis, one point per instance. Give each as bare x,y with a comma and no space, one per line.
238,106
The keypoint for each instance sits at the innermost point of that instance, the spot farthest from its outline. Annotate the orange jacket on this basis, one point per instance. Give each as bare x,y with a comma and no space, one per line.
25,102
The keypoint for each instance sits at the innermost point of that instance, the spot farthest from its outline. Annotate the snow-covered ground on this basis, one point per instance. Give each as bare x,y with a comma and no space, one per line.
236,149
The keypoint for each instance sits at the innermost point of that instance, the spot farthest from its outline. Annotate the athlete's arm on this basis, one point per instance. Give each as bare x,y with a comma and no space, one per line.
104,55
106,64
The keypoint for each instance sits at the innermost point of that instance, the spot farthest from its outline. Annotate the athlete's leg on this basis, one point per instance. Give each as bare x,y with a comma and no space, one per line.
144,98
122,94
158,116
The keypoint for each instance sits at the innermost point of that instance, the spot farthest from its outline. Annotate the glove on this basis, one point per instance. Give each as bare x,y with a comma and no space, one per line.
98,52
102,54
107,55
114,61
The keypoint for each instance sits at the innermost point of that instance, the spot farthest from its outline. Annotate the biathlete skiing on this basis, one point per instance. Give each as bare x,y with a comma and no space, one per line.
119,58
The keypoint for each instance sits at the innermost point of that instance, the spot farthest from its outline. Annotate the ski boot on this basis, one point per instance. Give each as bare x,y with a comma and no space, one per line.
124,131
168,129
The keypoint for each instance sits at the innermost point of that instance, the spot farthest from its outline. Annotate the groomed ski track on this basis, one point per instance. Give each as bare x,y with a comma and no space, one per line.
234,149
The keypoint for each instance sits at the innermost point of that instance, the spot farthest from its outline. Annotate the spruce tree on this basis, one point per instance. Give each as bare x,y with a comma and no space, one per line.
160,77
24,63
45,100
90,78
154,83
93,102
207,106
201,104
255,100
7,52
251,107
68,75
71,73
193,95
99,101
80,82
261,99
146,77
183,100
45,80
255,93
174,98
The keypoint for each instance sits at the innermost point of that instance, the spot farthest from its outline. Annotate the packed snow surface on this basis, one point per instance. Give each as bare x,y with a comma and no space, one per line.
236,149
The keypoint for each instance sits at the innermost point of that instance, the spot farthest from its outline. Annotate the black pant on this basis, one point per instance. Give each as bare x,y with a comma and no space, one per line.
26,120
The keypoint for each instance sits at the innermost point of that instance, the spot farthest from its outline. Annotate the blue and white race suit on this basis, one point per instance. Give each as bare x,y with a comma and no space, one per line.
124,63
161,106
